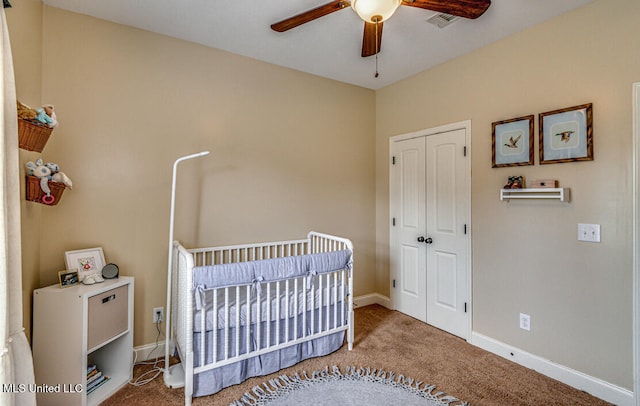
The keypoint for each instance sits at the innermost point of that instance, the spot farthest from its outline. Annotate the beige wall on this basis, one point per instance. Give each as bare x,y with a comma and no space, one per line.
291,152
526,257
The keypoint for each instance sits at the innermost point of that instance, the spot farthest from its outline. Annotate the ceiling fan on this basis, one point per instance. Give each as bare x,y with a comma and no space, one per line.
375,12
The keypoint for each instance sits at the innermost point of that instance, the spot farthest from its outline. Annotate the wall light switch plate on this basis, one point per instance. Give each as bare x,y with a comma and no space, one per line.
589,232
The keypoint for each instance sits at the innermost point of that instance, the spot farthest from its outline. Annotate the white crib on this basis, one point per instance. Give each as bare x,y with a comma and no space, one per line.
229,324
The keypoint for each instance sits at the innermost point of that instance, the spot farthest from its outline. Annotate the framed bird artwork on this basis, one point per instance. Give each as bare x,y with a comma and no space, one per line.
512,142
566,135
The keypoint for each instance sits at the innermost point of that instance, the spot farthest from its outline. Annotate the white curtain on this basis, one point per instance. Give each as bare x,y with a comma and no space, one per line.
16,362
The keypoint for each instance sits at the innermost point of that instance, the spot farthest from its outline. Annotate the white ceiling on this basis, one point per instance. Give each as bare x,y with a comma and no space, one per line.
329,46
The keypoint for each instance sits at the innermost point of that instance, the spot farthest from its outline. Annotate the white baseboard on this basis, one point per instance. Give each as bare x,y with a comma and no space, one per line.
148,351
372,298
594,386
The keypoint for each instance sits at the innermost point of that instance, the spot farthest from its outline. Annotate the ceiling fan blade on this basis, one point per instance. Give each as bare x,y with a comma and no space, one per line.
310,15
369,39
461,8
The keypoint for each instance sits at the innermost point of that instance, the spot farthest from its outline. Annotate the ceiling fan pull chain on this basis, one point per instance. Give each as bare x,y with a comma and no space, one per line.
376,75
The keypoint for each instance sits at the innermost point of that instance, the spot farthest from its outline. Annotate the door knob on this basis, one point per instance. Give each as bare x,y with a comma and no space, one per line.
421,239
428,240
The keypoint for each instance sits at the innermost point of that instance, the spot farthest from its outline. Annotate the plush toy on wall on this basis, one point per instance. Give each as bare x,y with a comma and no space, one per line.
44,115
25,112
47,116
47,172
41,171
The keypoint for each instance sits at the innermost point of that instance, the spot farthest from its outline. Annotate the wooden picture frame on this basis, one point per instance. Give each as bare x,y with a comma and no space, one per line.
566,135
68,278
512,142
86,262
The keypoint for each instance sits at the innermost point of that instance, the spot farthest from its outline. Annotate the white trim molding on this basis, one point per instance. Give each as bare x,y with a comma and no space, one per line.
372,298
149,351
594,386
636,240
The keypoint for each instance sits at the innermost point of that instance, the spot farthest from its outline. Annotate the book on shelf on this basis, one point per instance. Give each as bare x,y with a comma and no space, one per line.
97,383
95,378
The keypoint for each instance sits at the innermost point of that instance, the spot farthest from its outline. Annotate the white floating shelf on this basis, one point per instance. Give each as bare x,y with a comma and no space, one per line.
562,194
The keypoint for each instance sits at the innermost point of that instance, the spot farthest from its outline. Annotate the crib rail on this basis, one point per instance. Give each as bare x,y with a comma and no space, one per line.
248,252
305,308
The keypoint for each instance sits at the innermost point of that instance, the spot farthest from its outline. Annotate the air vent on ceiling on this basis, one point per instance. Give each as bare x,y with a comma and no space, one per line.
442,19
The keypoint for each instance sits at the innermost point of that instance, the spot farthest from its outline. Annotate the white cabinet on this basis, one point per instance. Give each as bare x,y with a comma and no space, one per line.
78,326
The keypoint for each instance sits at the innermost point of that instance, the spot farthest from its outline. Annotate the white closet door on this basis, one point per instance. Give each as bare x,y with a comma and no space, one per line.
429,202
408,255
446,211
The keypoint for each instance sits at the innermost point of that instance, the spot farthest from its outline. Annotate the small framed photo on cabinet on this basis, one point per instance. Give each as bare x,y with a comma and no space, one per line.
68,278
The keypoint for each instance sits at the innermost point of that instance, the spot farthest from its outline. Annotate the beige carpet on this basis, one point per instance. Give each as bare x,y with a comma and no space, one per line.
394,342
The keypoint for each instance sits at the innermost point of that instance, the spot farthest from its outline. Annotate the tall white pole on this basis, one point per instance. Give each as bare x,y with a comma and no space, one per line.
167,336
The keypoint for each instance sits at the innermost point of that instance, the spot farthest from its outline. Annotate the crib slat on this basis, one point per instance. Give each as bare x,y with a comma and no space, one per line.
226,323
247,327
334,289
278,312
286,311
342,296
319,303
305,294
328,306
268,314
259,318
214,350
203,329
238,308
313,306
295,308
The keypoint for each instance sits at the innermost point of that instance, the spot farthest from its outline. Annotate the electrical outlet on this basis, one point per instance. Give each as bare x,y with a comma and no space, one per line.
525,322
158,314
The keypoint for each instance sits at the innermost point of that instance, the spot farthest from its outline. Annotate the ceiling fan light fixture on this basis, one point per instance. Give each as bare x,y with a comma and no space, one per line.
375,11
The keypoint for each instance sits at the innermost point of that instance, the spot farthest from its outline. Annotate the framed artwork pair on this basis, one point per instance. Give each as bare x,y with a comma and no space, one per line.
564,135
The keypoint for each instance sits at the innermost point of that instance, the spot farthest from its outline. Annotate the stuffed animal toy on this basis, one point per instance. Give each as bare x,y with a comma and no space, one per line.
47,116
44,114
46,172
25,112
41,171
53,167
62,178
30,168
58,176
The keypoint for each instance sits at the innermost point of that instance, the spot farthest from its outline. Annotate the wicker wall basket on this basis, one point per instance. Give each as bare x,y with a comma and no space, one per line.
31,136
35,193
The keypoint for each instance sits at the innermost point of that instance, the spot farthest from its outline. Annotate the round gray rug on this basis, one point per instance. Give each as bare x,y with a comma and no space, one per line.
354,386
